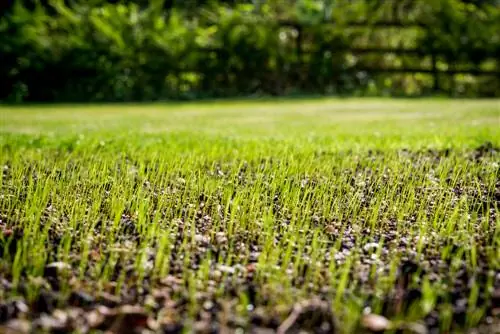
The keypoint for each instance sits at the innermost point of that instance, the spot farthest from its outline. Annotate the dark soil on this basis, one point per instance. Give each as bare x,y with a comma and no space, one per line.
67,303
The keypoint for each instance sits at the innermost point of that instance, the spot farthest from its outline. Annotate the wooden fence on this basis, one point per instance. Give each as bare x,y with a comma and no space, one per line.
434,54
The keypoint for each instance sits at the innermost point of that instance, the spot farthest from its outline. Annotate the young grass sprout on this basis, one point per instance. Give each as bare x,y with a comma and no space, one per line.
201,220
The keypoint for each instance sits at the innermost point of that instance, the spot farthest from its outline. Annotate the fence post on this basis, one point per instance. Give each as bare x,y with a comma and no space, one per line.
298,47
298,42
435,73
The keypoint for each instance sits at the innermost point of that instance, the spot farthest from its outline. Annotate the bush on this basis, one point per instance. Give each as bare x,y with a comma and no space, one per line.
135,51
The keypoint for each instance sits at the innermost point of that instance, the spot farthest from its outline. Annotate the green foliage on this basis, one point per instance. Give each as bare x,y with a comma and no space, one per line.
464,32
133,50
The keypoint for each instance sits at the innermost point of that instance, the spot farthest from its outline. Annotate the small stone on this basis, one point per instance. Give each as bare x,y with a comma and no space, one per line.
251,267
16,326
57,322
375,323
200,327
150,302
217,274
254,256
220,238
208,305
417,328
58,265
94,318
201,239
370,246
226,269
153,324
21,306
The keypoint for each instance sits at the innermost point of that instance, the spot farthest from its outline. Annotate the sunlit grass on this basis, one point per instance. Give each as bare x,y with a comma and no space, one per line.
290,199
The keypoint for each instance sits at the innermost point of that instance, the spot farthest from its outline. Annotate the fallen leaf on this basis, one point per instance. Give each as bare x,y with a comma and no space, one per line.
129,318
313,315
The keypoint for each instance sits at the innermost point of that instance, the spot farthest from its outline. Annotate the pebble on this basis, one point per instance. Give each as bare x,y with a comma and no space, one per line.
376,323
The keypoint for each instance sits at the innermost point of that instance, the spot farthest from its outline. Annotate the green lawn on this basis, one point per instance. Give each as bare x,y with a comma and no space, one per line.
251,216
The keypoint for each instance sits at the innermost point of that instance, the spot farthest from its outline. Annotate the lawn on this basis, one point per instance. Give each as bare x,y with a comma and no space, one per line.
326,215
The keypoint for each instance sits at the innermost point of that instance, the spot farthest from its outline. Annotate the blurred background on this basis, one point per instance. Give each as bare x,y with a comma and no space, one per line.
139,50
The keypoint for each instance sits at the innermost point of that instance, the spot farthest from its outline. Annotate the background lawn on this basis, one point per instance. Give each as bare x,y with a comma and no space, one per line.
251,216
